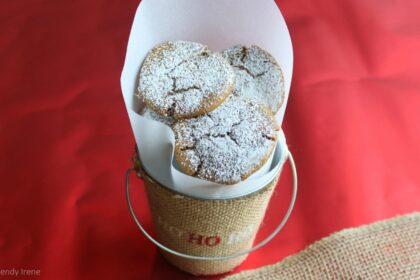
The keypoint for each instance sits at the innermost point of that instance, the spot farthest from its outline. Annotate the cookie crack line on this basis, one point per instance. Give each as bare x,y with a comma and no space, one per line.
176,90
268,137
244,57
244,52
182,90
171,110
199,167
176,66
219,135
222,135
236,124
243,68
204,53
187,148
229,134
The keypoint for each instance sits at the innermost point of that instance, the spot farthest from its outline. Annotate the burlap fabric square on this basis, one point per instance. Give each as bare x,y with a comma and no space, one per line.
388,249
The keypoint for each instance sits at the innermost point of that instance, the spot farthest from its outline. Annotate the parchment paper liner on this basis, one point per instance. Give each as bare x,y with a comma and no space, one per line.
219,24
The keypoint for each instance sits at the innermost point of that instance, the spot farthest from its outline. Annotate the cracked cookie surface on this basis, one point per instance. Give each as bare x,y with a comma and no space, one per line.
183,79
228,144
258,75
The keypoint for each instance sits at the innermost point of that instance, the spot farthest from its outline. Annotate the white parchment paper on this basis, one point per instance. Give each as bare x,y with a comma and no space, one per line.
219,24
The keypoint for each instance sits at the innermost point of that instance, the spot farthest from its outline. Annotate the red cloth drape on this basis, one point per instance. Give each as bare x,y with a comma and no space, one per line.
352,122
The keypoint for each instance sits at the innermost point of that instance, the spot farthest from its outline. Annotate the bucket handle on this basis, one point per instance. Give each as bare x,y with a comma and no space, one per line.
217,258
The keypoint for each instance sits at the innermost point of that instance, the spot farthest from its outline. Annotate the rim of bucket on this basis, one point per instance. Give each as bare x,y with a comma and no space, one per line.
142,174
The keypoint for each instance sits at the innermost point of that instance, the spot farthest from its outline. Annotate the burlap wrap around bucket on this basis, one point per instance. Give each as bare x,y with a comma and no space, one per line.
202,227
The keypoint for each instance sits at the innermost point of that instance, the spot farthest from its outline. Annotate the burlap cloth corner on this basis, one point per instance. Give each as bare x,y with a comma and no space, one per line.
388,249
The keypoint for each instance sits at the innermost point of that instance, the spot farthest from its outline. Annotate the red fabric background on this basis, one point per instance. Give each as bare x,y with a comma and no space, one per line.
352,122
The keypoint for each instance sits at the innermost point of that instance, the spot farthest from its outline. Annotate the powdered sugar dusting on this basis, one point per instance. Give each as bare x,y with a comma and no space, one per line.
152,115
258,76
184,79
228,144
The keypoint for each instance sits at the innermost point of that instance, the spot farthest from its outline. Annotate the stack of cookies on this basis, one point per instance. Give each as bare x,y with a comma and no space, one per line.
221,106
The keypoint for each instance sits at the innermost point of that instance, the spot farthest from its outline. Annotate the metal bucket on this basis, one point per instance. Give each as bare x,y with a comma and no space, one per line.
207,236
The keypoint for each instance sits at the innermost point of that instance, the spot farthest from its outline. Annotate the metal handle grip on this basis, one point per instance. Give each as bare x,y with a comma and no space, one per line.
217,258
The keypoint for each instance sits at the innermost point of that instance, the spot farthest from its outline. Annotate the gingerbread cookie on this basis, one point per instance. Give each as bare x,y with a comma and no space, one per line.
183,79
258,75
228,144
